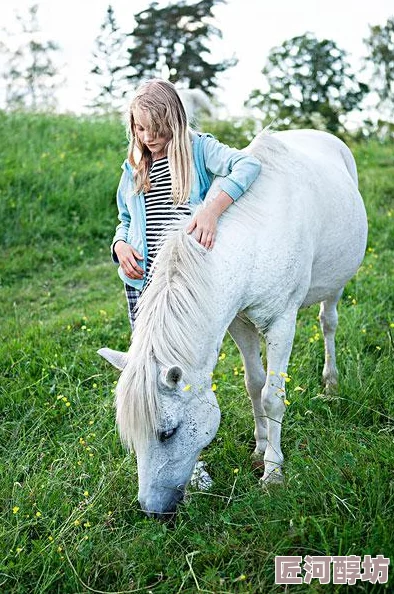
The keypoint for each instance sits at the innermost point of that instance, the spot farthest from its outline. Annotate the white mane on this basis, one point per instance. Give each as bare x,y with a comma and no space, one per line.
173,305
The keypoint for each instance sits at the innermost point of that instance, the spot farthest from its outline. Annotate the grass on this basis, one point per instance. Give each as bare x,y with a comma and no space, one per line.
70,521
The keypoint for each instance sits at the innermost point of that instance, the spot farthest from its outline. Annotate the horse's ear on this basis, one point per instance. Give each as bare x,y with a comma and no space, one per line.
172,376
117,358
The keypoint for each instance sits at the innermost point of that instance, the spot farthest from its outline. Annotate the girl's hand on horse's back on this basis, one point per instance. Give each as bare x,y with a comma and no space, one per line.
203,227
128,257
204,224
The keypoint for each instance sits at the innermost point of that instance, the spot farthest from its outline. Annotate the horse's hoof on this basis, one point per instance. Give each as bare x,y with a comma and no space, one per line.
331,388
274,477
330,383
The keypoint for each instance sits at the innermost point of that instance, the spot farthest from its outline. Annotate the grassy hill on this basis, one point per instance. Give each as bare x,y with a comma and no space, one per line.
69,513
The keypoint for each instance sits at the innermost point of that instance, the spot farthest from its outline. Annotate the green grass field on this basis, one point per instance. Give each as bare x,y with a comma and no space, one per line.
70,521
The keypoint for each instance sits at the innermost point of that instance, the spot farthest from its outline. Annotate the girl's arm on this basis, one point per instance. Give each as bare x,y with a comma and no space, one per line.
122,252
238,171
121,231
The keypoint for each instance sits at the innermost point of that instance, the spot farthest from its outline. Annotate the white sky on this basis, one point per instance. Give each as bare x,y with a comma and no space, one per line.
250,29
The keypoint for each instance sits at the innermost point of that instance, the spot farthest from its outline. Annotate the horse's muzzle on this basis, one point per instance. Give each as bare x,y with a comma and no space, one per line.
164,510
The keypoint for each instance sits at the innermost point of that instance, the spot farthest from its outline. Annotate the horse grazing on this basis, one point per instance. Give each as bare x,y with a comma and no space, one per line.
294,239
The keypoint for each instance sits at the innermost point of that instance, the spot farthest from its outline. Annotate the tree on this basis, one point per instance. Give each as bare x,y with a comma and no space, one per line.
30,73
309,82
171,42
110,66
381,47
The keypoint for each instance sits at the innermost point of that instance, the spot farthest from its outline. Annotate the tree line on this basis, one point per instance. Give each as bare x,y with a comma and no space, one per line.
308,81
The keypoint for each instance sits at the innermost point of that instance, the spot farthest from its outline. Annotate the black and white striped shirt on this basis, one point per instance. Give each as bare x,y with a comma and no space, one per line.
159,207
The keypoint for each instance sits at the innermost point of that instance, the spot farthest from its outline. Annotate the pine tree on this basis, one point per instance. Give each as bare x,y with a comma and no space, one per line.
110,67
172,43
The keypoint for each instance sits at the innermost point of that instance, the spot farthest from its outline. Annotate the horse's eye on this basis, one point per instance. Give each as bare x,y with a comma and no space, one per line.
164,435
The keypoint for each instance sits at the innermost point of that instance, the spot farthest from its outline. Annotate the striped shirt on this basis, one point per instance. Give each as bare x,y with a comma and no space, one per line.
159,207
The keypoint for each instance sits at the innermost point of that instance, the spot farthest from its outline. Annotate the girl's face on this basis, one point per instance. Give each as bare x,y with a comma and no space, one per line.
157,145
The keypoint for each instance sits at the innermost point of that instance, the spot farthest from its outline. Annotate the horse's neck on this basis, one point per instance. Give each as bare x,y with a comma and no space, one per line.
208,343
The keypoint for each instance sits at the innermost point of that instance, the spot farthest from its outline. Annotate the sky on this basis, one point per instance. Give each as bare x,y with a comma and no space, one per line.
250,28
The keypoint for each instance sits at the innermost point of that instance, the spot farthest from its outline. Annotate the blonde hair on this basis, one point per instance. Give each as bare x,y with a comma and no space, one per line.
167,117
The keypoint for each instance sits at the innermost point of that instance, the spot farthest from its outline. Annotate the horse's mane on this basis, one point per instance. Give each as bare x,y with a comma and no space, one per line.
174,303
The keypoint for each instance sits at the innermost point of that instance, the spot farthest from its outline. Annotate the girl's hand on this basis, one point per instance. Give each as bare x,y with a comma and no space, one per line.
205,222
128,257
204,227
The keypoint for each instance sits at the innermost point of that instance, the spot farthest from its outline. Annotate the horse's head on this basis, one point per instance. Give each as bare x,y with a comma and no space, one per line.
185,419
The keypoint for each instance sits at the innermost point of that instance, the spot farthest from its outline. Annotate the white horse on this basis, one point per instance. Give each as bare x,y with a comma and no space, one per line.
295,238
196,102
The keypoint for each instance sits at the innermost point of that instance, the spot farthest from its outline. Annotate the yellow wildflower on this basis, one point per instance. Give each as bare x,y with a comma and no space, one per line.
15,509
187,388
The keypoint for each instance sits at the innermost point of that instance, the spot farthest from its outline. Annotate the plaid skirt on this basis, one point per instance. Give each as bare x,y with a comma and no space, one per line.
132,296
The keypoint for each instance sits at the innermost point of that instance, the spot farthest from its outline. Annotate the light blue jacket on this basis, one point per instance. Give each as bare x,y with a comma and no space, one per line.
211,158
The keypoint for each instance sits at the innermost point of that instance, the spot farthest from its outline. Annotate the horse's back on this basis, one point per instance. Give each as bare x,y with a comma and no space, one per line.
317,144
291,150
308,233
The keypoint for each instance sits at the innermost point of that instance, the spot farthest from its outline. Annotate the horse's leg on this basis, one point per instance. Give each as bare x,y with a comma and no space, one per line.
279,341
247,339
328,317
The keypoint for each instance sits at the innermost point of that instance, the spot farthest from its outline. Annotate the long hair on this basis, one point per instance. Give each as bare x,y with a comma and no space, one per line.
167,117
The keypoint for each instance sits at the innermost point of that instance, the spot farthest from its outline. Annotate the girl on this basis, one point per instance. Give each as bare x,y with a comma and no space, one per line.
167,174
